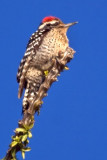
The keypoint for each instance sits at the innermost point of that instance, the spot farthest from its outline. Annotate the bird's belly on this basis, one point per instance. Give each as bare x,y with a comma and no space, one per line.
47,51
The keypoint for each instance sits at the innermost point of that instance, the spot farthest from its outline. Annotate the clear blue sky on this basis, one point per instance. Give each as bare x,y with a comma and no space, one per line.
73,121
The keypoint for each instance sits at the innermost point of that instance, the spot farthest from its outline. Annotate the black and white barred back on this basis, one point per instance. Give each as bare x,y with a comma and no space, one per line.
32,84
32,46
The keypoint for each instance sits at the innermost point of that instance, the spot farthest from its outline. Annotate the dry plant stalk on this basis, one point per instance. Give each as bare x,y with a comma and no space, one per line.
22,133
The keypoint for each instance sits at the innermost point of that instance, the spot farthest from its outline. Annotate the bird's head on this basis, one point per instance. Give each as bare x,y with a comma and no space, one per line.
54,22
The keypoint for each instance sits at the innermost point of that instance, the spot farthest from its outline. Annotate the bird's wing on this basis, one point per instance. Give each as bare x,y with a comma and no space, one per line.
31,49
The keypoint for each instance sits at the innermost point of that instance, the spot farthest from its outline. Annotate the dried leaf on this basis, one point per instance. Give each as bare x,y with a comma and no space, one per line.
23,130
26,149
66,68
29,134
24,137
31,126
13,152
23,154
14,143
46,72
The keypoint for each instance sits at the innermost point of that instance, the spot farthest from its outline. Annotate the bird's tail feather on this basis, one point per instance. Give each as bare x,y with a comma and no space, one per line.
32,86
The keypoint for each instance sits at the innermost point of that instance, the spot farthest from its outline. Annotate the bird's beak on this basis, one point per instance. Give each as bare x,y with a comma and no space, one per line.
69,24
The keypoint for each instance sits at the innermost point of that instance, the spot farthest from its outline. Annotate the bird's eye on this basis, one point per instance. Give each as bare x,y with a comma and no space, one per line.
48,24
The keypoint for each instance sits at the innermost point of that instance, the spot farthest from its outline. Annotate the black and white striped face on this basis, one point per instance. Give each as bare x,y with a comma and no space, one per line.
49,25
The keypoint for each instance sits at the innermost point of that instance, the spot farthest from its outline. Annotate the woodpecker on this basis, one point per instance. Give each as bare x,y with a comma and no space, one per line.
43,46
